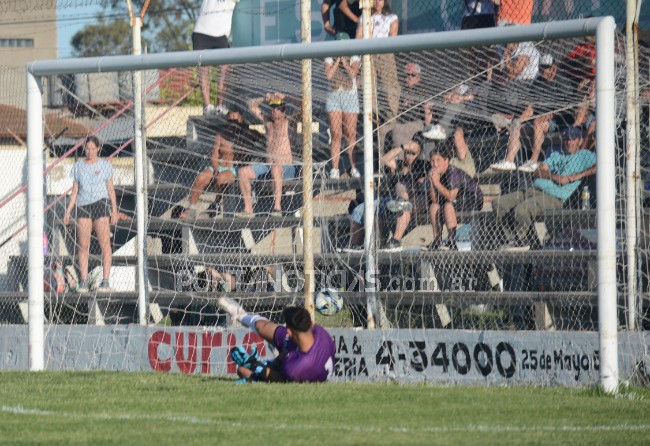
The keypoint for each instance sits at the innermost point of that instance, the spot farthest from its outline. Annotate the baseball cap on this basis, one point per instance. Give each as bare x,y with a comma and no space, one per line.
546,60
274,103
412,68
573,132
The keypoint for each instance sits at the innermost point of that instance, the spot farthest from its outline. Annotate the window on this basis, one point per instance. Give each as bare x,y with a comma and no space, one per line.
16,43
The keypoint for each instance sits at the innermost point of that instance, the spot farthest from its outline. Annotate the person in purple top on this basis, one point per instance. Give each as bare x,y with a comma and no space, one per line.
452,190
306,351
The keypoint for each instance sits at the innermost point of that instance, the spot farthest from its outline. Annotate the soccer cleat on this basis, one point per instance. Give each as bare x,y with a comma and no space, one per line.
241,381
529,167
504,165
399,205
435,132
231,307
335,174
354,173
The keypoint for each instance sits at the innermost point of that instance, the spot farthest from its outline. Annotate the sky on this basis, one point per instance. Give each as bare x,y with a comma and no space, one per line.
71,20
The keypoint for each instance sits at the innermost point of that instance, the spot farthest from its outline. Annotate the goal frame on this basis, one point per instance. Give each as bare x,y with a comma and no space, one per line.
603,28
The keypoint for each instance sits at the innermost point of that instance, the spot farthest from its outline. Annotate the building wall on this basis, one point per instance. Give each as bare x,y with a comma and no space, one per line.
27,19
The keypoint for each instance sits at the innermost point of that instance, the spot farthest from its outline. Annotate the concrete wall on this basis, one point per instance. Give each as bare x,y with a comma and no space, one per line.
434,356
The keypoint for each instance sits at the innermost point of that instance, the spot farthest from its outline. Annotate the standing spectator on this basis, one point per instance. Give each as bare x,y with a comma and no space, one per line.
480,14
385,24
515,12
212,31
94,195
452,190
345,18
342,108
278,128
556,180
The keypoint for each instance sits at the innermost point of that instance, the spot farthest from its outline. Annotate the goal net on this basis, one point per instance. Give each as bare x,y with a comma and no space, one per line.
485,204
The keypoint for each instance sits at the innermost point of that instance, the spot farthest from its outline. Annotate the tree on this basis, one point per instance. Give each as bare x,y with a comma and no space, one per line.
167,26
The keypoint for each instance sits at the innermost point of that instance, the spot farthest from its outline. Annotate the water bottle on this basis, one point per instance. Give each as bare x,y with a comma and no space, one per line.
585,199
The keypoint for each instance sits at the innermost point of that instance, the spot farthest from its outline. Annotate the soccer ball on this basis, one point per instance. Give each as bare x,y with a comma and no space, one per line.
328,301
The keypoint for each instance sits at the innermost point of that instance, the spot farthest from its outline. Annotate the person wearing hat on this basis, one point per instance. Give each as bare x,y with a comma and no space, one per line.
279,129
555,181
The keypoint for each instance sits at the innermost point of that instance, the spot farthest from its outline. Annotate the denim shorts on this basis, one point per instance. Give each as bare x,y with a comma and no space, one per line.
288,173
346,101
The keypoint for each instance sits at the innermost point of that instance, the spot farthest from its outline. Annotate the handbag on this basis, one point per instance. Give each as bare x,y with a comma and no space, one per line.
477,21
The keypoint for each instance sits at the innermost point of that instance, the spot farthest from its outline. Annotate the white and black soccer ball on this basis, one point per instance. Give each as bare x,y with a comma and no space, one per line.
328,301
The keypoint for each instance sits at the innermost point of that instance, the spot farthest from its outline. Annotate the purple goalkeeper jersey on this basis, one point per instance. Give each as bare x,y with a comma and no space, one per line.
315,365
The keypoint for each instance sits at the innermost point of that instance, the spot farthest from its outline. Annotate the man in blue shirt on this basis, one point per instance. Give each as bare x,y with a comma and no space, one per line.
556,180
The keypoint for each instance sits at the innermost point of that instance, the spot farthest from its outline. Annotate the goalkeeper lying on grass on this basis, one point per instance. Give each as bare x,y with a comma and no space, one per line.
306,350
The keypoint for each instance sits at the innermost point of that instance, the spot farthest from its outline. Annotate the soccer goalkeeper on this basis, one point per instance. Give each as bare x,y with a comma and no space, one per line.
306,350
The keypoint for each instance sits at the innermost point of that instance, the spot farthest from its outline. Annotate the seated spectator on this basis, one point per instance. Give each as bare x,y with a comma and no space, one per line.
556,180
462,156
279,127
408,173
222,170
413,112
453,103
452,190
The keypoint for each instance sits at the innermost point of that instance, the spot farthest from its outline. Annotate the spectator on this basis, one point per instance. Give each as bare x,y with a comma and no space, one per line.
521,60
342,108
212,31
385,24
222,170
452,190
462,156
480,14
515,12
94,195
408,173
278,127
556,180
413,112
345,18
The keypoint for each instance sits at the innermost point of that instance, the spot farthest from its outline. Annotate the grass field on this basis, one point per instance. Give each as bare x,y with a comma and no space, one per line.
158,409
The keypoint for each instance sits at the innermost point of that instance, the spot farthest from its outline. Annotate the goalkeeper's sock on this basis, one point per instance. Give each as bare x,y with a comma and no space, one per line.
250,319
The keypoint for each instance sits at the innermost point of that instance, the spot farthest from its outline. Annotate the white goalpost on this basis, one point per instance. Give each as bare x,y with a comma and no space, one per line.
430,305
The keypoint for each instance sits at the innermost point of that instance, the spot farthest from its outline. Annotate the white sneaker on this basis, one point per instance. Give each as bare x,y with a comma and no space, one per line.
504,165
209,111
435,132
354,173
221,109
231,307
529,167
335,174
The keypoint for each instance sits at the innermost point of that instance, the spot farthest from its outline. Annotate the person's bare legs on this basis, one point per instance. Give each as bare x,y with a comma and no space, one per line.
221,94
103,231
449,213
246,177
204,82
84,230
350,130
336,123
540,130
276,177
434,211
403,220
200,183
356,234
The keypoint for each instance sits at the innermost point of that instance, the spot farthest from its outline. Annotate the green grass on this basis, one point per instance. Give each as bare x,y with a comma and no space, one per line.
153,408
